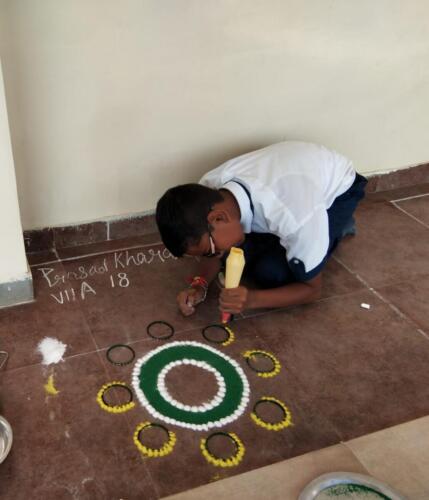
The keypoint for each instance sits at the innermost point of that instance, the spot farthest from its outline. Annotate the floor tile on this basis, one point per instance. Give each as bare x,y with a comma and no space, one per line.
308,432
169,472
65,446
336,280
23,327
399,456
281,481
381,252
164,278
345,371
417,207
411,297
363,370
132,288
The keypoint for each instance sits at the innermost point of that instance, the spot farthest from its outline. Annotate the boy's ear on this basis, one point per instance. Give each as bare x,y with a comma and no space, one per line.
217,216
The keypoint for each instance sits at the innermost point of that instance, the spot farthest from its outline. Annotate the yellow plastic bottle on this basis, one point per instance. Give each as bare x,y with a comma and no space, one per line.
234,269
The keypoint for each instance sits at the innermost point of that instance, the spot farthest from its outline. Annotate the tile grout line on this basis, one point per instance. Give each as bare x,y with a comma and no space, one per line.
94,341
96,350
409,215
107,373
401,314
410,197
99,349
81,311
128,421
127,418
32,365
46,263
392,306
95,254
290,308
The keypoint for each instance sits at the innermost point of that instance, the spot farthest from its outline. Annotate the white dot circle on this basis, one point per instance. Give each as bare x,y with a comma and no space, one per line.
215,401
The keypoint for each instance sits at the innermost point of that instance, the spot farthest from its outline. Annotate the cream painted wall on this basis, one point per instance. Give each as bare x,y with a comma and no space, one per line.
13,263
111,102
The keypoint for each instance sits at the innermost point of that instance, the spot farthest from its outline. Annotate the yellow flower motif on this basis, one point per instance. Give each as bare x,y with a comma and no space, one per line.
232,461
154,452
231,337
115,408
286,422
250,355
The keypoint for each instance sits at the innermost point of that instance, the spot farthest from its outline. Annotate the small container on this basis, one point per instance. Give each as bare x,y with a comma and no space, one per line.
3,358
6,438
326,481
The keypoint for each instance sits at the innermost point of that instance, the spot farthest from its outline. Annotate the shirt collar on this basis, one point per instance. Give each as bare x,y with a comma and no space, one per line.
243,202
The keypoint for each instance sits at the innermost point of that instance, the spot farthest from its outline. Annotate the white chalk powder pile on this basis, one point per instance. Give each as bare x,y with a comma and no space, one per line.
52,350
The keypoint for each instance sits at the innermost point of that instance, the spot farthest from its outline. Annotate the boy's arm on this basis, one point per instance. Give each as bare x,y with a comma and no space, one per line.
236,300
188,298
209,268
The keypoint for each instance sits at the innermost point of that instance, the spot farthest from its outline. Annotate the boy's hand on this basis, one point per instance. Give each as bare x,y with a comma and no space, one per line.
234,300
189,298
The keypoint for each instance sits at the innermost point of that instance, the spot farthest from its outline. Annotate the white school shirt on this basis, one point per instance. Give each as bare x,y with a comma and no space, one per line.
291,185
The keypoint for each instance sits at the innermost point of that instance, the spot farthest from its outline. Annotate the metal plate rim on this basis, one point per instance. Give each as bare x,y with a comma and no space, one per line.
325,481
6,435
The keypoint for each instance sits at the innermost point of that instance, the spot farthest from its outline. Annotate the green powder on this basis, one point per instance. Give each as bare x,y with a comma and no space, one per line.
351,491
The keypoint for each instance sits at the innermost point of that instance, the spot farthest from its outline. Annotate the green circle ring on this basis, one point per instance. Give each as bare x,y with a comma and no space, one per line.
146,384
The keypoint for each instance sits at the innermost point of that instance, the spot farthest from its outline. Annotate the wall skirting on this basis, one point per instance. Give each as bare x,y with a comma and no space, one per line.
50,238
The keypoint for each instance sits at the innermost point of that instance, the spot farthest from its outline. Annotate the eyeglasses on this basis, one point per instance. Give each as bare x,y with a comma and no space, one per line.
213,252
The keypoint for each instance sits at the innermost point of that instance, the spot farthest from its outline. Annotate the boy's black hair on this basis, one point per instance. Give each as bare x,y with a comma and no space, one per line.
181,215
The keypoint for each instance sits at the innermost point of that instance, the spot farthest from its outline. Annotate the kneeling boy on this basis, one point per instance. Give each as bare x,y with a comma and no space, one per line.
287,206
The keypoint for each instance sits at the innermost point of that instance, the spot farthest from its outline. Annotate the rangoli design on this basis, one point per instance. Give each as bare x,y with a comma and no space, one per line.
228,404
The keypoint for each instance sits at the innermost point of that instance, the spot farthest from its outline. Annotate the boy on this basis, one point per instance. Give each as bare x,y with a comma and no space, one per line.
287,206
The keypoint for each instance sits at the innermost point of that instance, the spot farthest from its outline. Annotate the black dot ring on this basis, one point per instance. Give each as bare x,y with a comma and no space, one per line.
214,341
120,346
169,334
